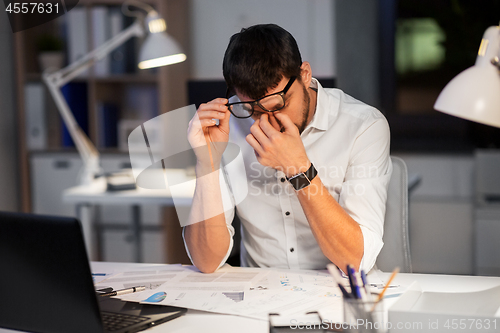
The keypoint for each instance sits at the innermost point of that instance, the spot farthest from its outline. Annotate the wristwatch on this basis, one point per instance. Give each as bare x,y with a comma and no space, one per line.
303,179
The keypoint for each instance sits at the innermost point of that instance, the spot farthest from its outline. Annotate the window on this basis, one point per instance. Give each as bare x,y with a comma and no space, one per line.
424,44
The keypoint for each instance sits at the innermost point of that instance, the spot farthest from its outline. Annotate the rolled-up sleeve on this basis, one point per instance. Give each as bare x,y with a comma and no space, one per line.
364,191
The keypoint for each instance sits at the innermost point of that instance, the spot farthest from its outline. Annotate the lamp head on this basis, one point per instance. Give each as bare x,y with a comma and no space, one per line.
159,49
474,94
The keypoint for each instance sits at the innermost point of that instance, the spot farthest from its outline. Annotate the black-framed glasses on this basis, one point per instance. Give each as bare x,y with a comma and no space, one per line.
269,103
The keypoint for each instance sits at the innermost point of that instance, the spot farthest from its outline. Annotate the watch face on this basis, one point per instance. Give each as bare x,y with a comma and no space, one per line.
303,179
300,181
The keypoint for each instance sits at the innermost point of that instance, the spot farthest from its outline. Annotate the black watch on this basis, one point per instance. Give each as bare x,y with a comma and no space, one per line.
303,179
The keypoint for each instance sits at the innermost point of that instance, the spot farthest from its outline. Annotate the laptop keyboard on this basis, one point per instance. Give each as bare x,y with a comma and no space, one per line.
117,321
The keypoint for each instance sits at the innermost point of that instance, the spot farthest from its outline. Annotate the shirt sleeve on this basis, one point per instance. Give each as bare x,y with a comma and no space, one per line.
364,190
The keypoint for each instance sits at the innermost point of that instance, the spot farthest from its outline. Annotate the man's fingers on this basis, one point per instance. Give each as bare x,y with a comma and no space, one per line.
259,134
218,104
207,122
274,122
267,127
197,124
215,109
218,101
211,114
252,141
224,121
286,122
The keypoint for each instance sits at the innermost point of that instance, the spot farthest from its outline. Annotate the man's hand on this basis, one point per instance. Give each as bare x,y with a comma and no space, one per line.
279,149
206,138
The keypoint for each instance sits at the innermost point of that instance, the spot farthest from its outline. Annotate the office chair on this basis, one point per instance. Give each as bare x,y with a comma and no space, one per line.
486,222
396,250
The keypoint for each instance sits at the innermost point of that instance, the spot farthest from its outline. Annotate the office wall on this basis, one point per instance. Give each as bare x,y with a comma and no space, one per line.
8,134
215,21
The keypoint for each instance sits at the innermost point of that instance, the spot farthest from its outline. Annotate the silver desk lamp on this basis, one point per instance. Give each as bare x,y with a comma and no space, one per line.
158,49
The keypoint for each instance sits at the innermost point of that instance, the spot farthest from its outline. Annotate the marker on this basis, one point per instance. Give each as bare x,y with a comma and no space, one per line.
123,291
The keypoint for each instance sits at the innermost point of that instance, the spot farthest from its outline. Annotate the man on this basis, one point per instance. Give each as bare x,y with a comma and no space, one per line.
316,160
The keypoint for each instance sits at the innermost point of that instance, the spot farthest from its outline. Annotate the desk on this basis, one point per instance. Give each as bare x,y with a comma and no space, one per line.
86,197
199,321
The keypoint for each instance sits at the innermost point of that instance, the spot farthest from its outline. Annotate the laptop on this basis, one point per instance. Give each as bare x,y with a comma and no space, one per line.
46,283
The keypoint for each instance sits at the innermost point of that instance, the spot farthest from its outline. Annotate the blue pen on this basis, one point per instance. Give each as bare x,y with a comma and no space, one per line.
366,285
351,273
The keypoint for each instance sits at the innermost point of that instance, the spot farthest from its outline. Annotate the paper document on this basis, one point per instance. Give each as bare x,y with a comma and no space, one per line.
250,292
150,277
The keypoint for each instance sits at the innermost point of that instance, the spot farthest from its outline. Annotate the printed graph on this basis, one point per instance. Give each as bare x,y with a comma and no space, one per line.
235,296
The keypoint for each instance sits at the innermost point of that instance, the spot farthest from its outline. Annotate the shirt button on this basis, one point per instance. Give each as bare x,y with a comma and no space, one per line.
282,179
287,213
292,249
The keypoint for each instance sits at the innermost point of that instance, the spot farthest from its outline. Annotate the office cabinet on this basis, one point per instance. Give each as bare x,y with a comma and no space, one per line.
51,174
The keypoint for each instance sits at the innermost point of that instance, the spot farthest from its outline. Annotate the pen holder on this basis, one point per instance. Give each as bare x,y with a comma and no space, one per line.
364,316
310,322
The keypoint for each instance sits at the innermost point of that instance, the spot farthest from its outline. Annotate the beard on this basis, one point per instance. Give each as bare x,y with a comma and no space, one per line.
306,105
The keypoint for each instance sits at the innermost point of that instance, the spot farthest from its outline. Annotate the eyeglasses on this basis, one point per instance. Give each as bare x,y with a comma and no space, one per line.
269,103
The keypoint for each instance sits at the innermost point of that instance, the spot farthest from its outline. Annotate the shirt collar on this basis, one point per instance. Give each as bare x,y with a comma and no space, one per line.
320,118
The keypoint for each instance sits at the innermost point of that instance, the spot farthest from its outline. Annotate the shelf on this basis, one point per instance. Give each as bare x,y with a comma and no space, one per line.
130,93
110,2
127,78
121,78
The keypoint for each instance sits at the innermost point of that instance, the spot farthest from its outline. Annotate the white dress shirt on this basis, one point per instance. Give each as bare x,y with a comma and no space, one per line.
348,143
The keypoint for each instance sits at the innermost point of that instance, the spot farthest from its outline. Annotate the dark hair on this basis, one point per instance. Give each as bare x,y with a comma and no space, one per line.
258,57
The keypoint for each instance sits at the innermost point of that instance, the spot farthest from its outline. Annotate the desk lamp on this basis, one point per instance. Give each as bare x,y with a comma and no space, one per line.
158,49
474,94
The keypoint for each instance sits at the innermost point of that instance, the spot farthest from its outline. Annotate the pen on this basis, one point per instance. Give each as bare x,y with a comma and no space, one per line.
362,291
365,285
381,295
332,269
351,273
123,291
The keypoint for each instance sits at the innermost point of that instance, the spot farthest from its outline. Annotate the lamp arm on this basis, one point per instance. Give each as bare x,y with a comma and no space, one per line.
56,80
85,147
68,73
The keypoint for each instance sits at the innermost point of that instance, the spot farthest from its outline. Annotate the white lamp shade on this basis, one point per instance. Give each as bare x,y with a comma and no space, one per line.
473,94
159,49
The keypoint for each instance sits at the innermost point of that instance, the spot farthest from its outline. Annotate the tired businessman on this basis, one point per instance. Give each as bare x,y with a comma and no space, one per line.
316,160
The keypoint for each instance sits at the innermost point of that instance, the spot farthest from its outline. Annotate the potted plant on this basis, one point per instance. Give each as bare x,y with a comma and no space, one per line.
50,52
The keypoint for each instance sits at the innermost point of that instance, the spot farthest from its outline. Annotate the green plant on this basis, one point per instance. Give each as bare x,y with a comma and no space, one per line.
47,42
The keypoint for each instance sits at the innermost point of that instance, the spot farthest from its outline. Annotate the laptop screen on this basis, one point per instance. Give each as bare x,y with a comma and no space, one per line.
45,279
